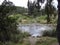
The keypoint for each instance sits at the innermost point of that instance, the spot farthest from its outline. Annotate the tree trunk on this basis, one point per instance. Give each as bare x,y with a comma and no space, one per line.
48,18
58,23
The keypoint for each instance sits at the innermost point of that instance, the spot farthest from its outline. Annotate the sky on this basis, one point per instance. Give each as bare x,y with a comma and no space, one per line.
23,3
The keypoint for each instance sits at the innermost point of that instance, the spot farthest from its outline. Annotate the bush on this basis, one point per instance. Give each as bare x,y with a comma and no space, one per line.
8,26
50,33
25,34
7,43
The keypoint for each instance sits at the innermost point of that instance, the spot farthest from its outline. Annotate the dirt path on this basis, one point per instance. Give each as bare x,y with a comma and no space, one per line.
32,40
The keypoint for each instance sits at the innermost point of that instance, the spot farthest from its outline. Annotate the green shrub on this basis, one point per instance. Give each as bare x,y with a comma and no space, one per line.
25,34
51,33
7,43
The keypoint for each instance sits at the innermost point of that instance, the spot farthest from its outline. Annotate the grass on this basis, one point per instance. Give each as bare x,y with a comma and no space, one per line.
40,41
29,19
46,41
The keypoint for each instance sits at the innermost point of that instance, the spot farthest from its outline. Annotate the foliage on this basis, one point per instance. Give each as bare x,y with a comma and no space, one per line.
34,9
7,43
49,10
24,19
50,33
17,39
20,10
8,26
25,34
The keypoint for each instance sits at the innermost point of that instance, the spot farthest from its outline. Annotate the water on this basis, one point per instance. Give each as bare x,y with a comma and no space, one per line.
35,29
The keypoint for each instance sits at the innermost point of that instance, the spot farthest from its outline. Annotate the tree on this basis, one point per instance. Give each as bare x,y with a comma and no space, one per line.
58,23
49,10
38,4
30,7
8,26
34,8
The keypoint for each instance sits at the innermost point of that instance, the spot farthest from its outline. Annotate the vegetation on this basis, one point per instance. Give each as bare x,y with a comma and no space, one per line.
7,25
47,41
40,41
49,12
11,16
50,33
24,19
35,8
20,10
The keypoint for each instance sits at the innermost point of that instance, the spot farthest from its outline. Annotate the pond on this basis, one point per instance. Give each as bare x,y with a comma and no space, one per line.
35,29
